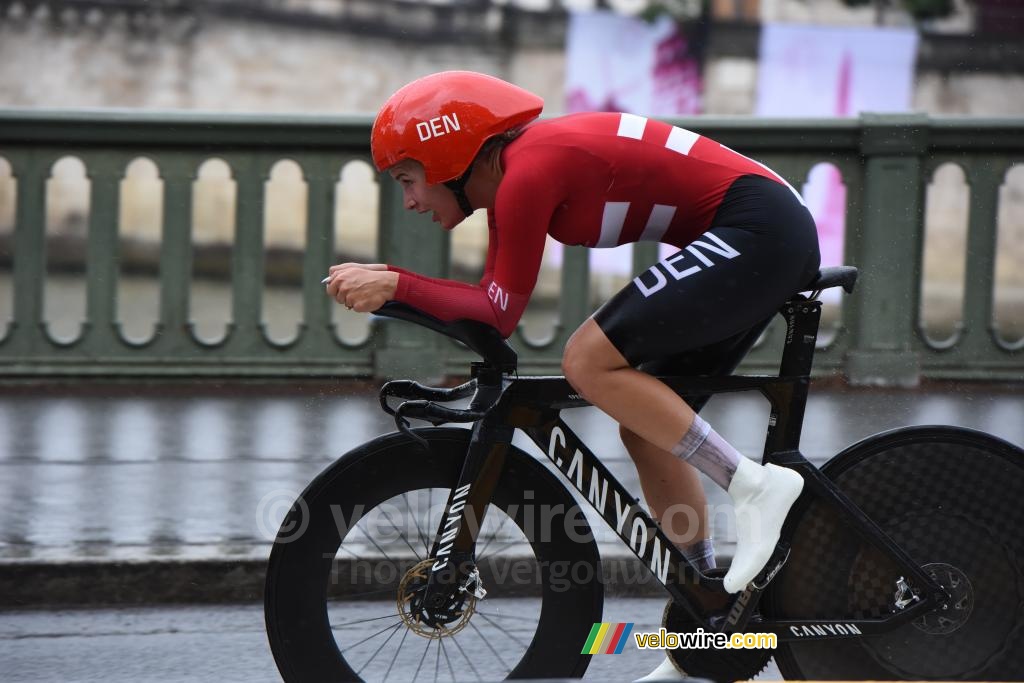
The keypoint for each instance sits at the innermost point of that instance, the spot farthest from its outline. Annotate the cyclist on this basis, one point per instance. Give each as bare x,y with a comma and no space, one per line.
459,141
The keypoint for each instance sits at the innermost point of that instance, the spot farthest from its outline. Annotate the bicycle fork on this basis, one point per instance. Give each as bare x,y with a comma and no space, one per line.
454,568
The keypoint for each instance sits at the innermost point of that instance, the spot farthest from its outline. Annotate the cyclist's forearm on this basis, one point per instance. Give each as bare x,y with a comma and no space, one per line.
448,300
403,273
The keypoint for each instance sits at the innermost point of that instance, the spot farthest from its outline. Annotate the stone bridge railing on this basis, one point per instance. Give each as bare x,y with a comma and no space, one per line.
878,336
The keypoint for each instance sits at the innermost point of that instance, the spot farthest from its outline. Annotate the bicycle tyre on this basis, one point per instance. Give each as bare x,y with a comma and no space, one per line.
295,600
963,524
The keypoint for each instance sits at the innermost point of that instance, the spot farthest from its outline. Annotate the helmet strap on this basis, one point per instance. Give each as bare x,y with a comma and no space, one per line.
458,188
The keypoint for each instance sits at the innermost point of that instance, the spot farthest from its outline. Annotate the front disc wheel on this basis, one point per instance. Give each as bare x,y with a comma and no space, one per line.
341,598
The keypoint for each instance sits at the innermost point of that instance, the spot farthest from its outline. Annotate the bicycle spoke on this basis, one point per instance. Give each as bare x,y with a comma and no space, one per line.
377,651
437,660
498,626
361,621
446,659
492,538
416,521
489,646
372,635
416,675
349,596
476,674
342,547
373,542
507,546
495,535
406,540
395,658
377,546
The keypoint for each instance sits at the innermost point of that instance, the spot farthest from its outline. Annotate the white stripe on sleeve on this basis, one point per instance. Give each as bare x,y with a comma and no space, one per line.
611,223
631,126
681,140
657,223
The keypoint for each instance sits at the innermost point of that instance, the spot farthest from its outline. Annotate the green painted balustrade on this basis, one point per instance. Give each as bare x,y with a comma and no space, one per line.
885,162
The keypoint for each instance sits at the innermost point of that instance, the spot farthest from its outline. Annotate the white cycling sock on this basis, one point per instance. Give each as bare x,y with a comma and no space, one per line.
705,449
701,555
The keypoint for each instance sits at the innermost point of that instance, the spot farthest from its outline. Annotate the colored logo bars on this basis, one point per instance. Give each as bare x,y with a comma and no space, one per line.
607,639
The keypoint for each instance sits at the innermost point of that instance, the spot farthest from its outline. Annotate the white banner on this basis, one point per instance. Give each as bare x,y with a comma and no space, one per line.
617,63
829,71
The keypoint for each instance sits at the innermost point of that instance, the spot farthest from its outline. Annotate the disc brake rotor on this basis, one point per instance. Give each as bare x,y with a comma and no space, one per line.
451,618
961,603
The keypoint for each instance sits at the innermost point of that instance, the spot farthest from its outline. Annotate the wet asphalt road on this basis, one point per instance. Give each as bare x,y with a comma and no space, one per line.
228,645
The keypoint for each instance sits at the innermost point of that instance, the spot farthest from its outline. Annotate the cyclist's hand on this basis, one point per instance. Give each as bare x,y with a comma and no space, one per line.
362,289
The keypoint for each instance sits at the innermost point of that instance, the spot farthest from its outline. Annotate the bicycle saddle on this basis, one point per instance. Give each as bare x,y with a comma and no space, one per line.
838,276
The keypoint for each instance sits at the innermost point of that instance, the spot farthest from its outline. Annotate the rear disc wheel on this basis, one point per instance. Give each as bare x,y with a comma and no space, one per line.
950,498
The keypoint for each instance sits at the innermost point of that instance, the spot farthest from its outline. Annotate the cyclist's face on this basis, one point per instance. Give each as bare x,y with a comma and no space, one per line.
420,197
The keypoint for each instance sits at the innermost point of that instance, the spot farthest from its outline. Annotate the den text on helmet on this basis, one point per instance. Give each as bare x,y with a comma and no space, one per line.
438,126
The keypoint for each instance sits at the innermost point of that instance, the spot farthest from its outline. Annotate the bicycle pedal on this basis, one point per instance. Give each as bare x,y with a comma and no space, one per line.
772,569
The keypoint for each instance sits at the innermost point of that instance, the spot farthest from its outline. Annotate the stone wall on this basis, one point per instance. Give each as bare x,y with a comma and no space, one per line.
228,62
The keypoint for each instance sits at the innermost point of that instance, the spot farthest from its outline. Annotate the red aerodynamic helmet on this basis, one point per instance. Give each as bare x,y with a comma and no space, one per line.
443,120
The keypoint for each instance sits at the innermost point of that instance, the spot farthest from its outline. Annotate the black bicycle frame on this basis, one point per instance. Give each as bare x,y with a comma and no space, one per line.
533,404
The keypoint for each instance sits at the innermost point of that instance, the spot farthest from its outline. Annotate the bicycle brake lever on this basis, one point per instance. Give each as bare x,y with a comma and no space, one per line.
404,428
391,389
432,413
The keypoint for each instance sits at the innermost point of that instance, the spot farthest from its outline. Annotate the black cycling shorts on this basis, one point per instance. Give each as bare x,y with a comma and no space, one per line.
695,311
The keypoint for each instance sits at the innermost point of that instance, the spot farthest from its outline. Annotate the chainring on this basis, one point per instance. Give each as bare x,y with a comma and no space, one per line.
721,666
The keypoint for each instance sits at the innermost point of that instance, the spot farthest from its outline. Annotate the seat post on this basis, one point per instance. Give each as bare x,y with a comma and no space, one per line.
802,319
789,397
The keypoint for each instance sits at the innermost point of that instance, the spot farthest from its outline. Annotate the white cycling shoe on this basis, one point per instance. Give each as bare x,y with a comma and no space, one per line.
666,671
762,496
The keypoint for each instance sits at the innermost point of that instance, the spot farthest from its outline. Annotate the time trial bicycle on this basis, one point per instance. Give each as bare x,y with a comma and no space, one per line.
902,559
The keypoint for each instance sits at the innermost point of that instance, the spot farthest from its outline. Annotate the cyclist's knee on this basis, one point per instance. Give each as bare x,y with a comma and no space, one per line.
576,375
588,355
577,366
